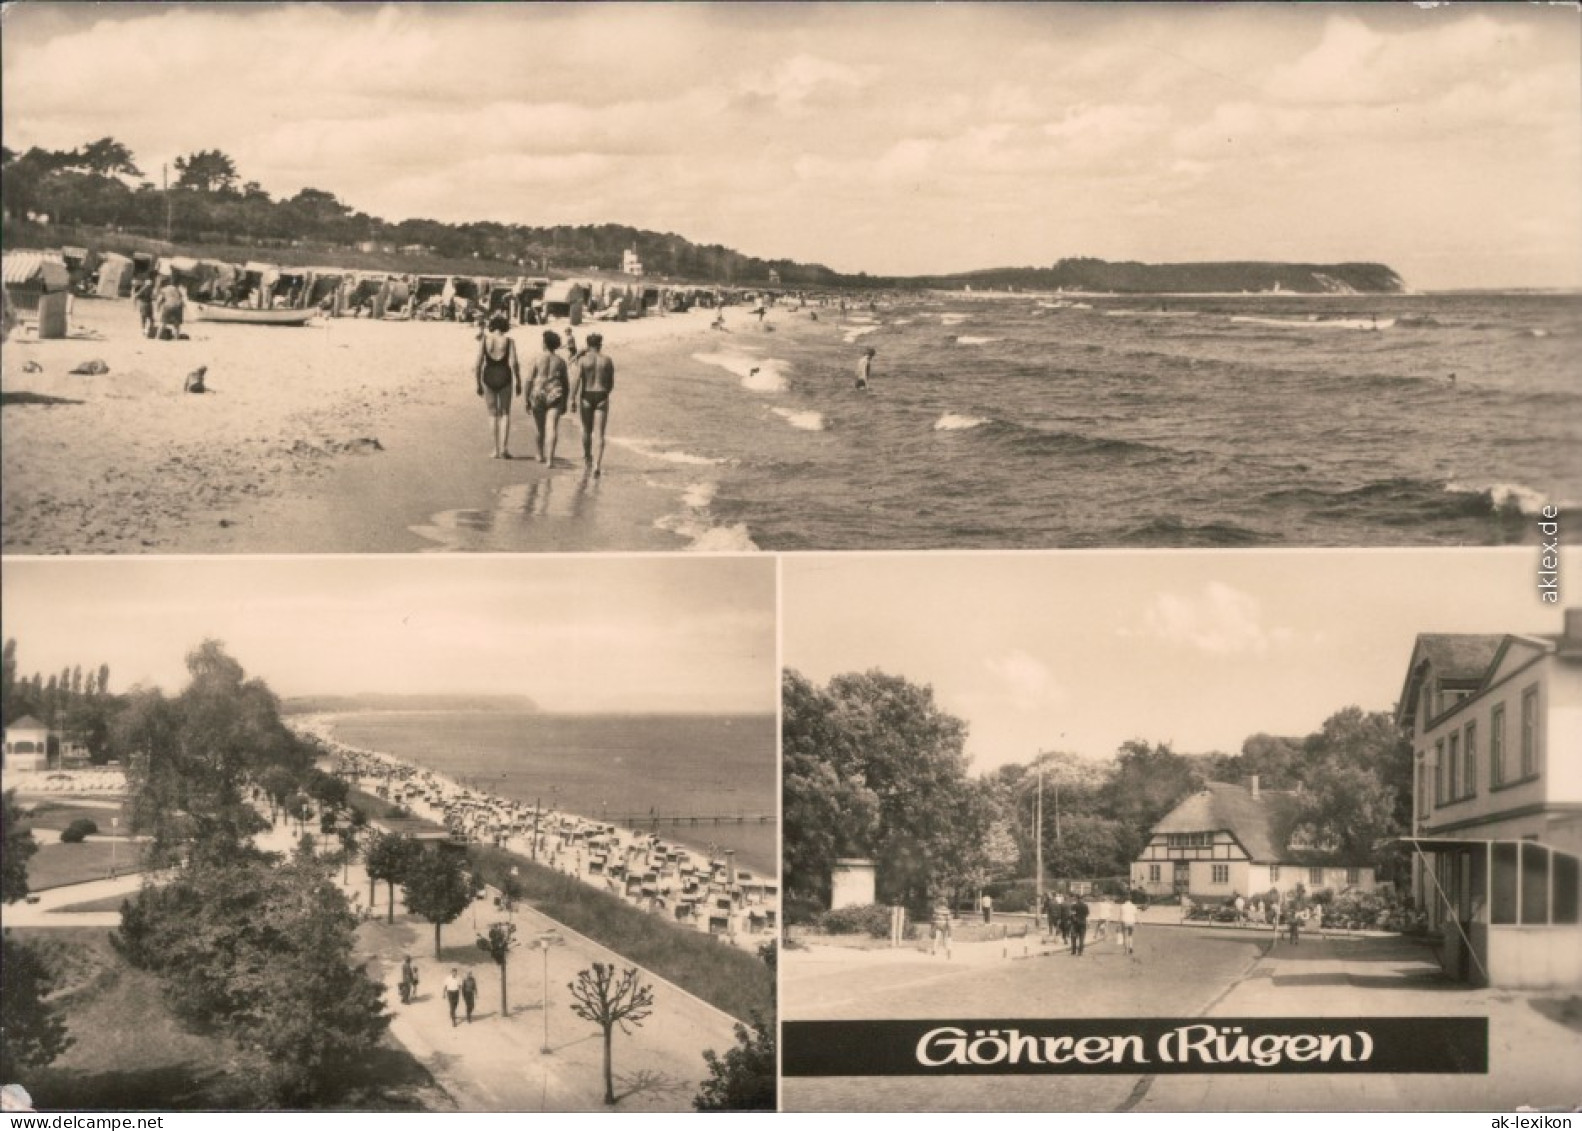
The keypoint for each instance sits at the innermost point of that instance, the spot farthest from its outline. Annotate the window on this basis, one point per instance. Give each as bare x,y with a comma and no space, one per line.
1439,772
1221,874
1153,873
1190,840
1315,876
1497,745
1453,771
1469,763
1422,790
1353,875
1529,732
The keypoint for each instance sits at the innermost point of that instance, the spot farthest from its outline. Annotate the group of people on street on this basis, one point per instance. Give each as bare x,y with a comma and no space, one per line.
586,381
1071,920
459,990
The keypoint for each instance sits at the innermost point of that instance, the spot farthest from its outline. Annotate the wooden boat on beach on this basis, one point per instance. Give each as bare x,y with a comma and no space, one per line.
249,316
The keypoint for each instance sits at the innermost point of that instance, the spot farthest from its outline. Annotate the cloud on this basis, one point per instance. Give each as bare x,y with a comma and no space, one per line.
1024,681
817,131
1218,621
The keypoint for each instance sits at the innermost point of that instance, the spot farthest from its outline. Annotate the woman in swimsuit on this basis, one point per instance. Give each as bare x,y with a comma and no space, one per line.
546,392
591,391
498,370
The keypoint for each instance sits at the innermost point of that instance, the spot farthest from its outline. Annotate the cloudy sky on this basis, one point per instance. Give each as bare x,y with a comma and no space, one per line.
1082,651
1445,140
576,634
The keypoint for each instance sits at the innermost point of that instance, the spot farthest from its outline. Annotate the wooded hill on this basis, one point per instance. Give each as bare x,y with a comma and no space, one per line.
97,188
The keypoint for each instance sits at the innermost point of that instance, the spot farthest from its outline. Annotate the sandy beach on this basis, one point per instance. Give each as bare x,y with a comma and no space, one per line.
343,436
576,845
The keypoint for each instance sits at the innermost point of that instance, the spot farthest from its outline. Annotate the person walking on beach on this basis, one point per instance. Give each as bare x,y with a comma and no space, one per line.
1079,926
547,390
469,994
453,995
143,299
987,905
591,390
169,305
865,368
497,371
408,980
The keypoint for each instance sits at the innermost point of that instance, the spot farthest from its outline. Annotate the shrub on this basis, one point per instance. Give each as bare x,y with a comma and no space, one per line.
800,910
872,919
1014,899
78,831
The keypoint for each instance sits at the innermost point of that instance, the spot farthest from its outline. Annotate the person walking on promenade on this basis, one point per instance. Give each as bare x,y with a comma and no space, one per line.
453,995
1128,924
987,904
939,927
590,392
1063,918
497,371
469,994
865,368
1240,905
1079,926
1101,918
547,391
1298,915
408,980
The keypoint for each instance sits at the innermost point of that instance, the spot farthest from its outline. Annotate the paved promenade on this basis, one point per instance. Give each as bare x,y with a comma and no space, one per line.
1186,972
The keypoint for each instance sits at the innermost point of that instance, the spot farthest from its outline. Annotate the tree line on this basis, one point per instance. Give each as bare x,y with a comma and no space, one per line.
873,768
100,184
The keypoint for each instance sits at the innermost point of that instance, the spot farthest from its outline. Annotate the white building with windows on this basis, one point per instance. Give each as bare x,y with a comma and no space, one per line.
630,264
27,743
1495,723
1226,840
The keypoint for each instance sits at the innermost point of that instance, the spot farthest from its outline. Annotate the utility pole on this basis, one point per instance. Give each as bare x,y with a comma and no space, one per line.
1038,842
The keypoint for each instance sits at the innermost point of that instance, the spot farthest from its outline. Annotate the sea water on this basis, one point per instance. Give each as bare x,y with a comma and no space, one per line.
1062,421
603,766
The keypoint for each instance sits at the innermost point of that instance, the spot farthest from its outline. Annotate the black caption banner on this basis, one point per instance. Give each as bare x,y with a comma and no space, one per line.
1149,1046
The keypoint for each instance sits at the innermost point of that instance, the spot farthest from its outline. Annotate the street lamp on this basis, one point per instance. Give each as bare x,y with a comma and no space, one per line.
115,823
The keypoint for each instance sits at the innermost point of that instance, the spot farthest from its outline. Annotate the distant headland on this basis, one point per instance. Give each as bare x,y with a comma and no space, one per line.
385,701
1098,275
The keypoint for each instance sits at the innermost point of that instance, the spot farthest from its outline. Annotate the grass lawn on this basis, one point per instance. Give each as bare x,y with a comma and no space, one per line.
56,864
725,976
51,815
130,1054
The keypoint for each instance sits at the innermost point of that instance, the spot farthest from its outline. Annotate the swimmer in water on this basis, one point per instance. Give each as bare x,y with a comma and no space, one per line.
865,368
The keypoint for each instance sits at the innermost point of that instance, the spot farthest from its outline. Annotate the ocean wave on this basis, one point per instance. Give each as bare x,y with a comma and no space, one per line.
1404,501
1169,530
651,450
760,374
970,340
952,319
1316,323
699,495
858,331
1505,496
1028,440
955,422
705,537
807,421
